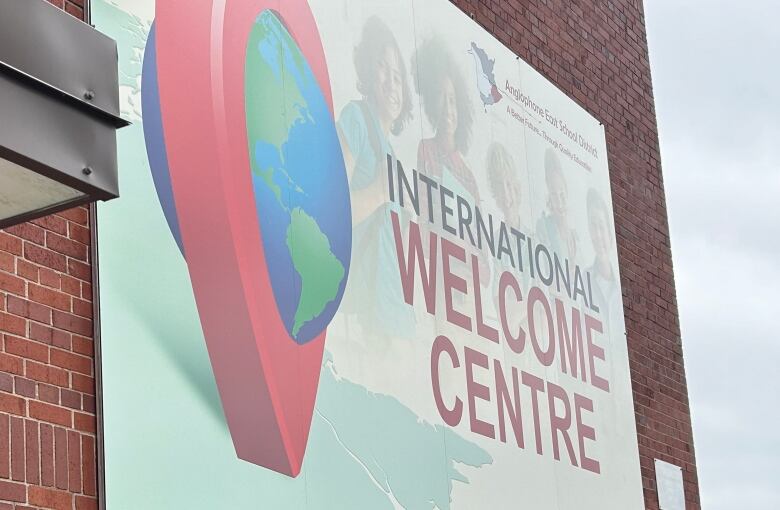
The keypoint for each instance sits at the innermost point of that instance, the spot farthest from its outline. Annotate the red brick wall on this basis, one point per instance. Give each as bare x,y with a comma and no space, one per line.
596,52
74,7
47,386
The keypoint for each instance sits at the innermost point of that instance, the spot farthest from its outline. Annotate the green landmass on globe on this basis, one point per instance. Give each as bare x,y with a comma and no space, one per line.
276,73
314,261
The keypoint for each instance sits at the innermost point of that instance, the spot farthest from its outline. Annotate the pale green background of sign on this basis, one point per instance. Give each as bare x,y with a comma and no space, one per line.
167,444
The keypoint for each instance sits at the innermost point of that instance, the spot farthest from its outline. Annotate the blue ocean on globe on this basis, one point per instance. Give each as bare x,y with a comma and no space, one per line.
299,179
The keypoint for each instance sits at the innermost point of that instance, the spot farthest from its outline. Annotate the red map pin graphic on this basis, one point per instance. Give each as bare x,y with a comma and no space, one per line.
262,309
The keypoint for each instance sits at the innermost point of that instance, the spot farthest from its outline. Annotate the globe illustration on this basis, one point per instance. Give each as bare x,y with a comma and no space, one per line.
299,179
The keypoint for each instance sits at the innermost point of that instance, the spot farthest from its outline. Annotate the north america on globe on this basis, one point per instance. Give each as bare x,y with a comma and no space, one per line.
299,180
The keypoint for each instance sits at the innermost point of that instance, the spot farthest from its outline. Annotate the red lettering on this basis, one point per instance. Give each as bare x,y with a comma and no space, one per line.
536,385
483,329
451,417
594,351
504,401
507,281
570,345
406,266
477,391
545,357
560,423
585,432
454,282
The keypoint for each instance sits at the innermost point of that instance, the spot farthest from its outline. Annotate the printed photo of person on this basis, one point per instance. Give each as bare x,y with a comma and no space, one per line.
506,187
604,277
366,126
445,100
554,228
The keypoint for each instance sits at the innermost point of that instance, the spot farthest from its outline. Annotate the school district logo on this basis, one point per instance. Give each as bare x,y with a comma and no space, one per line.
249,171
486,78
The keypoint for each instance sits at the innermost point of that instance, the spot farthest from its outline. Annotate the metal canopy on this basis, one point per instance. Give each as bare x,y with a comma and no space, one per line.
59,112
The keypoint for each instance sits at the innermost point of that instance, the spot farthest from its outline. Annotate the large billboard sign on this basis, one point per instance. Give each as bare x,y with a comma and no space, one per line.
365,258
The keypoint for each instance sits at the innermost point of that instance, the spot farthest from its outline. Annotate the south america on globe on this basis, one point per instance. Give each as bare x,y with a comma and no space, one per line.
303,203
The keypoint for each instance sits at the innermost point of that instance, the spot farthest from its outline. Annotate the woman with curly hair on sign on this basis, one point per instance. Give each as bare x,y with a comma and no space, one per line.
447,106
365,128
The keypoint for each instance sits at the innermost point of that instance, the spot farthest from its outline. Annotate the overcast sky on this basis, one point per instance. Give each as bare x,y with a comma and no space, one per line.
717,91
